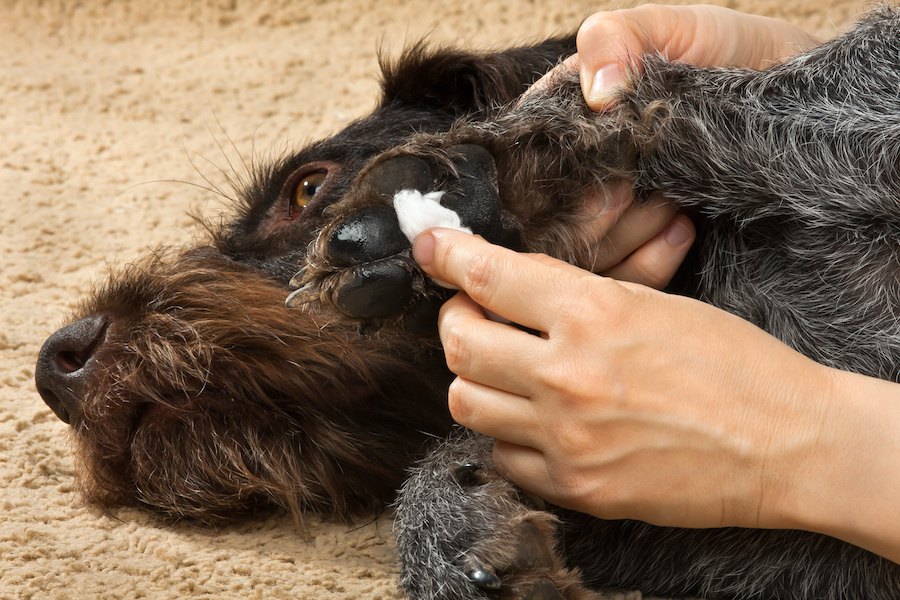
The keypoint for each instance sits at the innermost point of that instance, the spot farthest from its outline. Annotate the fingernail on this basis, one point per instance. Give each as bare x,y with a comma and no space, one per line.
605,81
423,249
678,234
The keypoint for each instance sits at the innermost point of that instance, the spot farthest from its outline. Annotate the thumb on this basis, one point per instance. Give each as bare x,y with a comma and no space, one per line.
609,45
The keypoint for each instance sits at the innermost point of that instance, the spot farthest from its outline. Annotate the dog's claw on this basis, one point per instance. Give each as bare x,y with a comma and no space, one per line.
298,297
469,474
297,280
484,578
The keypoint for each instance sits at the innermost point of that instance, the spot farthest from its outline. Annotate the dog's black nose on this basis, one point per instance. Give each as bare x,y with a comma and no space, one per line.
63,365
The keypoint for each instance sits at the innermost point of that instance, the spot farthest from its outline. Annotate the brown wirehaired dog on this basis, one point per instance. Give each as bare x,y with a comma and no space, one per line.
194,391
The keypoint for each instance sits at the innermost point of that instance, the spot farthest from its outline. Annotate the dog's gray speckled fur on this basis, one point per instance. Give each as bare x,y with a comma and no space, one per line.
794,174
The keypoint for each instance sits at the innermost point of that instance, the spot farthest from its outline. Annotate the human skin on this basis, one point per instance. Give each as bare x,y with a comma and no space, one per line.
610,43
633,403
637,404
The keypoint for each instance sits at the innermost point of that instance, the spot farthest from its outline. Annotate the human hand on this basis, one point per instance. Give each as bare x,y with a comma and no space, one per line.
632,403
642,243
610,43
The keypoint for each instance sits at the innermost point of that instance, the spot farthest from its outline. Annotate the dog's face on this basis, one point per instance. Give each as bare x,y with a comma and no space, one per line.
193,390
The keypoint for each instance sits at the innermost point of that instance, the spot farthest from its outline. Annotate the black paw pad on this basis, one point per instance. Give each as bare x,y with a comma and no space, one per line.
376,290
368,235
400,173
484,578
421,317
476,200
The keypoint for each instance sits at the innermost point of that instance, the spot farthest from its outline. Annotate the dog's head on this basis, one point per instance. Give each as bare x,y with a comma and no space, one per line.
191,388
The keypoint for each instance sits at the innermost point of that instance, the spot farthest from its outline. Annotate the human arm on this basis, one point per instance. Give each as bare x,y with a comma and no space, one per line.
637,404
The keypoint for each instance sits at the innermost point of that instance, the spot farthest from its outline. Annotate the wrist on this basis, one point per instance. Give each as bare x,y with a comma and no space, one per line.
848,484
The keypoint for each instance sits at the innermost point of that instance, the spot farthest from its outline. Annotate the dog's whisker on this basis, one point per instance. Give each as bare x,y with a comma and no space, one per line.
211,185
247,169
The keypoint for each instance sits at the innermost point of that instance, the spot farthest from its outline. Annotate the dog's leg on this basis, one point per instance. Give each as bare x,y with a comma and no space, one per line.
465,533
796,173
816,138
795,169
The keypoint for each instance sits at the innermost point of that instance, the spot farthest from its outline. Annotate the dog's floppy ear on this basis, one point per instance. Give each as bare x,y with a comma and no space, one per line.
460,82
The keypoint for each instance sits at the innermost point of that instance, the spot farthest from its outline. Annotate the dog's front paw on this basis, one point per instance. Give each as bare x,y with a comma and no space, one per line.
465,533
362,263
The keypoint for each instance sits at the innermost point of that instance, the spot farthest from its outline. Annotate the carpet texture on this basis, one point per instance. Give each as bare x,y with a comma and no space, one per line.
114,117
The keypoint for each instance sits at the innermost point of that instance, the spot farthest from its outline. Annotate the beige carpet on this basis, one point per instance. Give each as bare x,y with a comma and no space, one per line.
106,110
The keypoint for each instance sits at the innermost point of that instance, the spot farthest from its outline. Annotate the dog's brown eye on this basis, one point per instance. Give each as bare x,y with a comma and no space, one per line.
307,188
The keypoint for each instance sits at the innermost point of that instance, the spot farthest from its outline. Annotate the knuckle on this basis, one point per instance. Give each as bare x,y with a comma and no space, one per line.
583,308
568,486
456,353
605,499
572,442
598,26
608,27
651,13
479,279
612,297
628,29
456,402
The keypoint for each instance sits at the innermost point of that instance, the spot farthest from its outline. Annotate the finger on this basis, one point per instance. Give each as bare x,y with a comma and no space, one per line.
484,351
609,45
493,412
561,71
509,284
635,227
612,43
603,208
525,466
656,262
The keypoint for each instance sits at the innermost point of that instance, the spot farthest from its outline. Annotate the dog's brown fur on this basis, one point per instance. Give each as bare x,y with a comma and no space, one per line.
207,398
218,400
